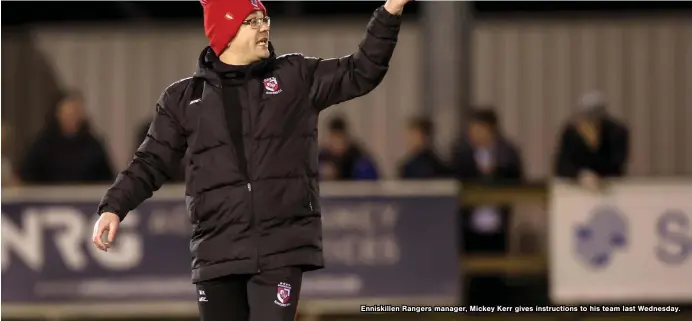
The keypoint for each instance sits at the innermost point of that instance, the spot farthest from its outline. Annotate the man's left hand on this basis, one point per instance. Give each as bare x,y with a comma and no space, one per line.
395,7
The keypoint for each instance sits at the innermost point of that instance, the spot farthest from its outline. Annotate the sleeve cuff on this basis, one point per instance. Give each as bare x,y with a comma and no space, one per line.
108,209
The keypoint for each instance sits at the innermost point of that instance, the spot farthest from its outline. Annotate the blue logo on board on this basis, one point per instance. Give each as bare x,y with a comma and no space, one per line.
597,240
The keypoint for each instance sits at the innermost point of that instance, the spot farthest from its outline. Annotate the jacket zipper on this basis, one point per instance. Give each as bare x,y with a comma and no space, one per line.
248,163
309,195
255,230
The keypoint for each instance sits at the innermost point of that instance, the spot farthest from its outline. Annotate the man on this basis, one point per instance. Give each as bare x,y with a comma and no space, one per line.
342,158
249,122
486,157
422,162
66,151
593,145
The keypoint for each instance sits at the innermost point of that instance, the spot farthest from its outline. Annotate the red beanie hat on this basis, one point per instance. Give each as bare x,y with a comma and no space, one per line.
223,18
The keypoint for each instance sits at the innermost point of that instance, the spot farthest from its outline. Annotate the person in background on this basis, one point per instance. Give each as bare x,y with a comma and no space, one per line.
342,158
593,145
65,151
485,156
179,176
422,162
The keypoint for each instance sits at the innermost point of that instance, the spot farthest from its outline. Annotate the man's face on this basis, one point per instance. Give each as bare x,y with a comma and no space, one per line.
70,115
415,139
337,143
481,134
252,39
592,117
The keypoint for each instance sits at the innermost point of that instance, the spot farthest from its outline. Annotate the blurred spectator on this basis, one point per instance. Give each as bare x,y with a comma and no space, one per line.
139,139
342,158
485,156
422,161
65,150
593,145
9,177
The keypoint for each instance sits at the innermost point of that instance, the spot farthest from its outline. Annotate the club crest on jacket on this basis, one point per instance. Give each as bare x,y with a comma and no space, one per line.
283,294
272,86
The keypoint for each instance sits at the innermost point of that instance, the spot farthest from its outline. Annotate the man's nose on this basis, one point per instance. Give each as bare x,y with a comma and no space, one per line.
264,27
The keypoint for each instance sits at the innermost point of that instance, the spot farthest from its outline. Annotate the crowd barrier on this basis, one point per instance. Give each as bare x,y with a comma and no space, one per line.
630,243
385,242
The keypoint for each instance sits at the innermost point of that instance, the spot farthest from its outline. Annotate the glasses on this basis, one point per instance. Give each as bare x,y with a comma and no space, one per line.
257,22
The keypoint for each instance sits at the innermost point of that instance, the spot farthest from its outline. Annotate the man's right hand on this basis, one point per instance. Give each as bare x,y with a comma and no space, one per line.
107,222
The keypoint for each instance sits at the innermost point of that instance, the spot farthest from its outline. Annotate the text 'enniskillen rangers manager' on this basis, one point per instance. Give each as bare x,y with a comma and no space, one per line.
248,120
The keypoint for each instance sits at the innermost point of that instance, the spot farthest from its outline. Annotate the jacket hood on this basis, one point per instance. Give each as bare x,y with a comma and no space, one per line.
207,59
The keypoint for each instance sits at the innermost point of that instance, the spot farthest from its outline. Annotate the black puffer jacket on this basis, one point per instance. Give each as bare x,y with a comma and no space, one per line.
251,184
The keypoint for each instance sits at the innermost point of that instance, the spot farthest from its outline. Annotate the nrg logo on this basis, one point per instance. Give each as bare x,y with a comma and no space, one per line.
607,232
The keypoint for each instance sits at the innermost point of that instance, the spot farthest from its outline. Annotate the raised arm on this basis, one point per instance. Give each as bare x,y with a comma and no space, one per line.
154,162
340,79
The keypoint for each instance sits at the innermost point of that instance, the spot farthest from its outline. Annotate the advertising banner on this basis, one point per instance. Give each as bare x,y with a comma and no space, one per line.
631,243
376,247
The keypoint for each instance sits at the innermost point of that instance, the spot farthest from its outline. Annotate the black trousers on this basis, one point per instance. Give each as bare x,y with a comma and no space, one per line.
269,296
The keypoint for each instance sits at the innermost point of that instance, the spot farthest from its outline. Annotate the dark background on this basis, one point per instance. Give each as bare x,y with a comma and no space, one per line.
17,13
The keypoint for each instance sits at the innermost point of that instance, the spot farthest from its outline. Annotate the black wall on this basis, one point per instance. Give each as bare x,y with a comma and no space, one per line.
28,12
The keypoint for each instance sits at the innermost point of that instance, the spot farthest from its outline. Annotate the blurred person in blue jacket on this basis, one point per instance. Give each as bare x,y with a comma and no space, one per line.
485,156
593,145
422,162
66,151
342,158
